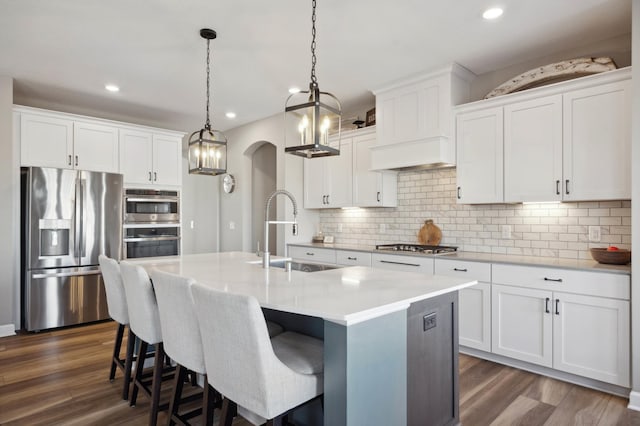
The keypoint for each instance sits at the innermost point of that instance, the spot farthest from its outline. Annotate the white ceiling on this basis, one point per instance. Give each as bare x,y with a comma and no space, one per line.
65,51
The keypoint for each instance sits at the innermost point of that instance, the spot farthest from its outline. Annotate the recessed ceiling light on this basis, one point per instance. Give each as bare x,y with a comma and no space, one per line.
231,114
112,88
493,13
293,90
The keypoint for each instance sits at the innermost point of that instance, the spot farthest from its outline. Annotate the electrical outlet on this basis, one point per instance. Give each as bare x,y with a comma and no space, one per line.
192,223
506,231
429,321
232,225
594,234
383,228
339,227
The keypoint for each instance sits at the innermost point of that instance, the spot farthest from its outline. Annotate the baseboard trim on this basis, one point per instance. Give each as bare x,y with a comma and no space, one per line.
634,401
7,330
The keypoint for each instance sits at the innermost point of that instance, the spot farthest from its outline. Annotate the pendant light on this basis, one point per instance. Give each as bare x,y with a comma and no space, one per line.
314,114
207,147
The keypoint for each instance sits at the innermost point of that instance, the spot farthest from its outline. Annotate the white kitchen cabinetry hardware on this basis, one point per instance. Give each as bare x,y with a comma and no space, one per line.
533,150
572,321
480,156
328,180
568,141
474,311
48,139
353,258
346,180
403,263
149,159
414,119
371,188
312,254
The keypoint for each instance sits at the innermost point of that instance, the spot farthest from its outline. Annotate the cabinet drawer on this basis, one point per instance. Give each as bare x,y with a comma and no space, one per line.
313,254
353,258
570,281
460,268
403,263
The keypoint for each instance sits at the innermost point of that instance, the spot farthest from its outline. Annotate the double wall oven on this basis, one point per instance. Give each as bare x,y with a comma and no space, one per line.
151,223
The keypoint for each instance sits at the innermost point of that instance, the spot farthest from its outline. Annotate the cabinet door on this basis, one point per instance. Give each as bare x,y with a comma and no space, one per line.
597,143
167,160
353,258
339,176
95,147
394,262
135,157
475,316
367,185
533,150
479,143
522,324
46,141
314,183
591,337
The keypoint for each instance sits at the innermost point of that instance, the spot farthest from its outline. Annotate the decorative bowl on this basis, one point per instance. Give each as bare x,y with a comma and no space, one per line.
615,257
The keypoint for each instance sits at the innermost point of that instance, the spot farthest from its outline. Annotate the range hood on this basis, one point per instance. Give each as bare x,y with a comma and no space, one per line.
415,123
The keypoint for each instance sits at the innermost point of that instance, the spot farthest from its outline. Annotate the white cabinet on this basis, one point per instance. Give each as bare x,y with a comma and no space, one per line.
533,150
414,119
572,321
371,188
353,258
403,263
474,306
346,180
312,254
568,141
597,142
479,156
150,159
53,140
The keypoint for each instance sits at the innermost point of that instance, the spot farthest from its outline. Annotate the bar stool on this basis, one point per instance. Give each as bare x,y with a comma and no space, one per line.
182,342
268,377
145,322
117,305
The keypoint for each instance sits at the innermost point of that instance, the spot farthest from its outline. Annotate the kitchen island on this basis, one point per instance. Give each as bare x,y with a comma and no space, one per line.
390,337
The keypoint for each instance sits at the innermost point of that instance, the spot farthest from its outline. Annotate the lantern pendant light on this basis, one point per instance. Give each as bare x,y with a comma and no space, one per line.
313,114
207,147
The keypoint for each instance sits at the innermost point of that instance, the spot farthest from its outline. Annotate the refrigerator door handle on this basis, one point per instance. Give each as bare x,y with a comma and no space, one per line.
65,274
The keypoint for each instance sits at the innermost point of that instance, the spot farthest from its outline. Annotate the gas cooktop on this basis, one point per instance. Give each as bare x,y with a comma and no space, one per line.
417,248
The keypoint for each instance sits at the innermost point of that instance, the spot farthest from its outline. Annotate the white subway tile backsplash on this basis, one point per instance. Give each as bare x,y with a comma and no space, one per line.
541,229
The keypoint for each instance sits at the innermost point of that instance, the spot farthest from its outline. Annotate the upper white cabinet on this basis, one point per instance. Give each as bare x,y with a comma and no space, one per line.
150,159
568,141
480,145
346,180
414,119
52,140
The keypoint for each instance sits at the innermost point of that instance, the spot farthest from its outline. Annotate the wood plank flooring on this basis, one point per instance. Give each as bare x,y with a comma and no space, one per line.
61,378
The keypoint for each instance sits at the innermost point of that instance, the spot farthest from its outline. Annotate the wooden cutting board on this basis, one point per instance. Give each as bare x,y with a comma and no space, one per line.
429,234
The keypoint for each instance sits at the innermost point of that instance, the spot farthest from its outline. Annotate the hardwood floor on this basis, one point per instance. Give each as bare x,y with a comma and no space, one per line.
61,377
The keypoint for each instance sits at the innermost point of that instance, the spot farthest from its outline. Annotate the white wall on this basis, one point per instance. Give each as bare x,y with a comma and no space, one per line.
634,400
236,207
9,213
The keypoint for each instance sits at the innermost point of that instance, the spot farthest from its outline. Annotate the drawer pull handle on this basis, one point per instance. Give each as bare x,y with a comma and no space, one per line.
352,258
459,197
378,196
555,280
149,176
310,254
76,160
546,306
557,302
399,263
460,269
155,176
69,162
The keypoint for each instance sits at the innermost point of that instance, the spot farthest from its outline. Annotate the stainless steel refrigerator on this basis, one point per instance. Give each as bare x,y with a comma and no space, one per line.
69,217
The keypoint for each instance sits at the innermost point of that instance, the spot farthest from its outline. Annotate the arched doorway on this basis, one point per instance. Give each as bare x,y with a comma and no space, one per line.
263,183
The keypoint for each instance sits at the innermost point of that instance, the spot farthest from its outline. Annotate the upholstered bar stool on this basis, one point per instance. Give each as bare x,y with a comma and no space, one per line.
182,342
267,377
144,320
117,305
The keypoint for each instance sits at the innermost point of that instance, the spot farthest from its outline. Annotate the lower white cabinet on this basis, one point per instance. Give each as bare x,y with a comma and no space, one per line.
549,324
403,263
312,254
353,258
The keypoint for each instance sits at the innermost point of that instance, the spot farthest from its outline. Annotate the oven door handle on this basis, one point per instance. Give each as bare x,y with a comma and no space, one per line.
152,199
138,239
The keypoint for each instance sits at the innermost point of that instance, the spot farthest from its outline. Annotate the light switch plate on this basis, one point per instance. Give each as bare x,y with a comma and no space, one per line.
594,234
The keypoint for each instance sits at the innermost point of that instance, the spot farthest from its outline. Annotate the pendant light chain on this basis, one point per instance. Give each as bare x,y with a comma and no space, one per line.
208,123
314,80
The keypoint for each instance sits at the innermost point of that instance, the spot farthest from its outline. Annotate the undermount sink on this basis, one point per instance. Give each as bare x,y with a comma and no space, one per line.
300,266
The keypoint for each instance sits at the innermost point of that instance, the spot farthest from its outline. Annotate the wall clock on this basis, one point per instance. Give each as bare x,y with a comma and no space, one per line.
228,183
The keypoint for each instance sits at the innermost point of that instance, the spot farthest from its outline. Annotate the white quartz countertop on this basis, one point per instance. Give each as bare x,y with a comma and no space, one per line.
345,296
552,262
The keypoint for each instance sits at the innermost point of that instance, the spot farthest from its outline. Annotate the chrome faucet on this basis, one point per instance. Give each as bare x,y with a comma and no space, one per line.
266,256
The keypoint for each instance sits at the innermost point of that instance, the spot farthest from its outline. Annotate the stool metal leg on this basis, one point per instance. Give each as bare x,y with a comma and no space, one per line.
131,340
139,367
156,384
